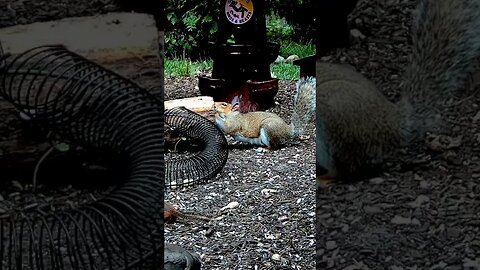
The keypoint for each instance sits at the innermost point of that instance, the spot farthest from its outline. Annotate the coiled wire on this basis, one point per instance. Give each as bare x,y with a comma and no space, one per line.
90,106
198,167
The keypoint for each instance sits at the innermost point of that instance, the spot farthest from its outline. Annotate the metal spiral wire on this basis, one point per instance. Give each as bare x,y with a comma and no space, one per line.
90,106
199,167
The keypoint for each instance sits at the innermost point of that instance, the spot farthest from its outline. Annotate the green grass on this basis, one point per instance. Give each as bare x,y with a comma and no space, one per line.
285,71
282,71
184,67
288,48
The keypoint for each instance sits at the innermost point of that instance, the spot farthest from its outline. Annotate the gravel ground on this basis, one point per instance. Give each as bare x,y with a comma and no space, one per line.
425,217
273,225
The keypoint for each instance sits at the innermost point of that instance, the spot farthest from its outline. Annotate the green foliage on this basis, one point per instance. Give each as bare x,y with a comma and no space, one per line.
278,29
300,14
190,25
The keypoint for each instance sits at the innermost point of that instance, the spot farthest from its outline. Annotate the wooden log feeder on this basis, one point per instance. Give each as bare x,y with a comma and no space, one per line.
242,57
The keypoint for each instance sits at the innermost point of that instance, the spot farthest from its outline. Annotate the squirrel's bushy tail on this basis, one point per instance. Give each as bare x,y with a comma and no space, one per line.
446,46
304,105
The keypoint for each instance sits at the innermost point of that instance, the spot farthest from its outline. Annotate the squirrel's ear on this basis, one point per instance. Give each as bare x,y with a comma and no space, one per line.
236,100
235,106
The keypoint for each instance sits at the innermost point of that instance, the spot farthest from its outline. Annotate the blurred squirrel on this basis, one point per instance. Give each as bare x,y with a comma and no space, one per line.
178,258
357,127
267,129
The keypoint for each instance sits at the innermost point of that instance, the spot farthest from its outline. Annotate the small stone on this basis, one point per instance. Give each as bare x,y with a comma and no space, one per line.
366,251
453,233
455,142
433,143
276,257
419,201
386,205
372,209
280,59
476,117
324,216
471,264
442,142
417,177
451,157
351,267
440,265
357,266
396,268
356,34
399,220
329,245
453,267
415,221
292,58
477,137
377,180
424,184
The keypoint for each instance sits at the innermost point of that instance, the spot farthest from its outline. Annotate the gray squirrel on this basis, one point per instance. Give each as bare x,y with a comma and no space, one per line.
267,129
358,127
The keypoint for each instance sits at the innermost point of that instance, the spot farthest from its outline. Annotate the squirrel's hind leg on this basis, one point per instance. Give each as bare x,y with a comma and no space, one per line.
254,141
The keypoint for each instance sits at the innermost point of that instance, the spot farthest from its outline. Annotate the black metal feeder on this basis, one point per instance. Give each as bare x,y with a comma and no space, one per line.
307,66
242,57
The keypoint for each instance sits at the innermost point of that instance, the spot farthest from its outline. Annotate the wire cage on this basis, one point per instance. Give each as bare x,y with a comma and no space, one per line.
88,105
85,104
199,167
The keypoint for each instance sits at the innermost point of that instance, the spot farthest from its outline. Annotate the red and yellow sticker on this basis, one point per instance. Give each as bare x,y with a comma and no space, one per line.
239,11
